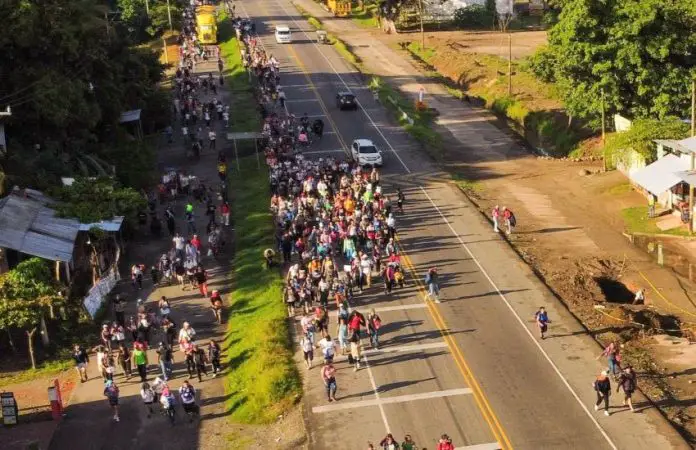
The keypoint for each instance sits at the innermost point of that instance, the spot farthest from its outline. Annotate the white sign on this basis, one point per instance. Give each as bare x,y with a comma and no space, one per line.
95,297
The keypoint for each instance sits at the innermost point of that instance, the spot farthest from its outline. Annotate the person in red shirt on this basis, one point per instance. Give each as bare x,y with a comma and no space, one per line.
445,443
196,243
225,211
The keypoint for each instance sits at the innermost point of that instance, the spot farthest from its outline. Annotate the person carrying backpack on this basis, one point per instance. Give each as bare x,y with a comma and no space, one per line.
111,393
510,219
602,387
627,382
188,399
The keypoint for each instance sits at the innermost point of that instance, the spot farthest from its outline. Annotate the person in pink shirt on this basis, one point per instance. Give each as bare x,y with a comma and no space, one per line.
328,375
495,214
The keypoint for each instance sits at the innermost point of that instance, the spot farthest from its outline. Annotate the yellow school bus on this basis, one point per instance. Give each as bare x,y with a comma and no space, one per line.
340,8
206,25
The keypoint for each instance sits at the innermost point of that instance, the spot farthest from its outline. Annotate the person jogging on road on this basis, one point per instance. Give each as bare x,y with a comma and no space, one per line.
602,387
542,320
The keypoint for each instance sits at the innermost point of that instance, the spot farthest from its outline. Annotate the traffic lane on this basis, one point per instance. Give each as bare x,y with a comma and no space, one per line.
322,61
523,390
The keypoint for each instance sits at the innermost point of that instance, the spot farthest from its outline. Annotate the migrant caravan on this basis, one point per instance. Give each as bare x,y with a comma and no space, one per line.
206,25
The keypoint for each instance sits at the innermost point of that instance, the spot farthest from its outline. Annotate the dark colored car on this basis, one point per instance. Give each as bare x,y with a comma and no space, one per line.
346,100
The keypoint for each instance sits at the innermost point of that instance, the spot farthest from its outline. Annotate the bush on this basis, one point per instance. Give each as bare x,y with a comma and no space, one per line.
543,64
474,16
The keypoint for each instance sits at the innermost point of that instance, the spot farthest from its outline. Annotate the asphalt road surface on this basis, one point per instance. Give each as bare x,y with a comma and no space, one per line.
471,365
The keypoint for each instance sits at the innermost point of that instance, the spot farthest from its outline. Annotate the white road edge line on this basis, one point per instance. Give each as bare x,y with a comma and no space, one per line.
519,319
346,86
391,400
489,446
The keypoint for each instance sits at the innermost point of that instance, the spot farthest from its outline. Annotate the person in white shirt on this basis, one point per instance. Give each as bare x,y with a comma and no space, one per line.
148,396
211,137
328,348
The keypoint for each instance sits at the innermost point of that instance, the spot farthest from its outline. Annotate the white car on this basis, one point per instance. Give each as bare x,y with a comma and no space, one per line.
366,153
282,34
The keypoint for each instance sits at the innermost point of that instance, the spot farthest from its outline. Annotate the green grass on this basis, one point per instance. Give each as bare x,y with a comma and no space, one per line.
620,189
263,381
425,54
466,184
46,369
636,221
421,128
345,51
243,115
314,22
365,17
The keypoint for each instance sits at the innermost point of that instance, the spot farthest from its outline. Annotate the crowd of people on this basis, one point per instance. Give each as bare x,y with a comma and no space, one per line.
124,343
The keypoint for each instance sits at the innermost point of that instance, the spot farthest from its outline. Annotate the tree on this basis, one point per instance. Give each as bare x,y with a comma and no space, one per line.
26,293
92,200
640,138
638,52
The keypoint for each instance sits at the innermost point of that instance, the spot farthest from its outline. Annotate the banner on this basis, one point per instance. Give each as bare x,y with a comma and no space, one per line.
96,296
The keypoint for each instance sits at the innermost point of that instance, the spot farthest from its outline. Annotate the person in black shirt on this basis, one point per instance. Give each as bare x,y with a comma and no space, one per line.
214,356
81,360
200,359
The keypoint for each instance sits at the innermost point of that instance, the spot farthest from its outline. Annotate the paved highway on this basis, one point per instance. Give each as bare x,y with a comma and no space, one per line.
470,366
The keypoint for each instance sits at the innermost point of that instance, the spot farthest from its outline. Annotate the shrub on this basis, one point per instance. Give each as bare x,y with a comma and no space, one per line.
474,16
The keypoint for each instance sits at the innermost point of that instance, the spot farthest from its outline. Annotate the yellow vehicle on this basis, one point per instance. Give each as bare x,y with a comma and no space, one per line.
339,8
206,25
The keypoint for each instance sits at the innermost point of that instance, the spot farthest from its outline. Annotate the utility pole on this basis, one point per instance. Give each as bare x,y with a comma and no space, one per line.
604,133
169,15
509,64
693,156
420,3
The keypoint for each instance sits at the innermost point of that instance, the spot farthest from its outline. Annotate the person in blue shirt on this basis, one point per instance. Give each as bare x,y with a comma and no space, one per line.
542,321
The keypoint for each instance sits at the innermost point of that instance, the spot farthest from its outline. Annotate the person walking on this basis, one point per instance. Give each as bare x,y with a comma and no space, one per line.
495,215
225,212
199,357
445,443
307,350
627,382
212,137
125,360
168,403
510,219
188,399
355,350
409,443
140,359
119,306
165,358
81,360
611,352
400,200
111,392
328,348
542,320
431,280
328,375
214,356
148,396
374,323
602,387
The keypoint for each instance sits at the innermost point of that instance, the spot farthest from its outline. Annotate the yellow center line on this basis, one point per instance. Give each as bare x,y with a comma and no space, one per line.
479,396
481,400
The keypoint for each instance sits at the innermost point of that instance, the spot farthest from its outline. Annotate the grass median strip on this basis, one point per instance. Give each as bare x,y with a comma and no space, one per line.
262,381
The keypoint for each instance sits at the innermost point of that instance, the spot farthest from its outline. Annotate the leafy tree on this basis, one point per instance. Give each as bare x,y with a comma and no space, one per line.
474,16
67,85
92,200
640,136
26,293
638,52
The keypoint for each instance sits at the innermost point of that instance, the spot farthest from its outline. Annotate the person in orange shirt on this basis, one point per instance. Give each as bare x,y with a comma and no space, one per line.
349,206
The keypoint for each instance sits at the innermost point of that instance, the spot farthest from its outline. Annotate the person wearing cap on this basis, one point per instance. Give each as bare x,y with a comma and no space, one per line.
111,393
602,387
627,382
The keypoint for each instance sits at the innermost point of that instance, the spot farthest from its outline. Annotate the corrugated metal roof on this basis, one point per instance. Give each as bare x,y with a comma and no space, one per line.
130,116
105,225
661,175
26,225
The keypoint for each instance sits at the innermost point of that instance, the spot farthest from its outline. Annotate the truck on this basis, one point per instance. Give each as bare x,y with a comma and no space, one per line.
206,25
